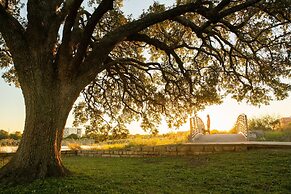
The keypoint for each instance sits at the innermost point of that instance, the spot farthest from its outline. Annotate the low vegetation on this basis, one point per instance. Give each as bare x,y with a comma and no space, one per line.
144,140
257,171
260,126
281,136
74,146
9,142
268,128
9,139
81,141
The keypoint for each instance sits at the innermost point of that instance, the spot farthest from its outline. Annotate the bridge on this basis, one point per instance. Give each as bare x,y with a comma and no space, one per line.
199,134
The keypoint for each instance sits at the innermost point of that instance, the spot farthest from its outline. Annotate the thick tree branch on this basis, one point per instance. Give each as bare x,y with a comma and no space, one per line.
144,66
158,44
104,46
39,15
236,8
217,13
104,7
17,43
151,19
108,42
65,49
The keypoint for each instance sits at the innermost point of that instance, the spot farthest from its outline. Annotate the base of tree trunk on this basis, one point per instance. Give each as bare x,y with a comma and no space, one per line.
13,173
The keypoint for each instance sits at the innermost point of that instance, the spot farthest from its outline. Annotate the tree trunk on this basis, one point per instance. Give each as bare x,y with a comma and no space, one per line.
38,155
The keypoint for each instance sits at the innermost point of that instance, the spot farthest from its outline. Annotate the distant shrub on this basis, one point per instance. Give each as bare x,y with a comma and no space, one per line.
74,146
233,130
272,136
102,137
72,136
116,146
284,135
16,136
144,140
81,141
169,138
4,134
287,128
9,142
99,137
215,131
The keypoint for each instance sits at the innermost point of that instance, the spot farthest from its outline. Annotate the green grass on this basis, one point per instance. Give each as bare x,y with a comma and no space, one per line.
257,171
283,136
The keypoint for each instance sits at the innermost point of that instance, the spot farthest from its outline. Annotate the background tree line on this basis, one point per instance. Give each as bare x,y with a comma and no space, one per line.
6,135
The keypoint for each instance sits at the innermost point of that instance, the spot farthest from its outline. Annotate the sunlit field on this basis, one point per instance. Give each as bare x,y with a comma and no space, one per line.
166,139
134,140
146,140
260,171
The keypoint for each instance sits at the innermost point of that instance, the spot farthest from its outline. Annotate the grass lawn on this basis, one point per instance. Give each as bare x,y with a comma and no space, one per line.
257,171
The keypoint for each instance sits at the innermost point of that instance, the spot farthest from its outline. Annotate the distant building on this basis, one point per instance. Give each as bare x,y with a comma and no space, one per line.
73,130
285,121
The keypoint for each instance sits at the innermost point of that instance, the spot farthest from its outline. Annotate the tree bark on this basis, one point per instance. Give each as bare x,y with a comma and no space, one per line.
38,156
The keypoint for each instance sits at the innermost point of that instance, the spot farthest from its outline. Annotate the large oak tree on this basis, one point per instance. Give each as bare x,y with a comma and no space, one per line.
167,61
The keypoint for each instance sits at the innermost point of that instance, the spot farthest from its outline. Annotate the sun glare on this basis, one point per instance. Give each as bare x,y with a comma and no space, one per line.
224,116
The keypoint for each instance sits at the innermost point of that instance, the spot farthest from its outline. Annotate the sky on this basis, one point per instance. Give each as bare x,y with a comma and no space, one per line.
223,117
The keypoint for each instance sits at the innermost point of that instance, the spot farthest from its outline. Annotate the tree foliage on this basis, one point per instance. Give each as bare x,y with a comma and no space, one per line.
189,62
176,64
4,134
16,135
265,123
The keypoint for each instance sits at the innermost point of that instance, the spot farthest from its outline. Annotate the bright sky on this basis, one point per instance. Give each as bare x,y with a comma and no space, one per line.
222,116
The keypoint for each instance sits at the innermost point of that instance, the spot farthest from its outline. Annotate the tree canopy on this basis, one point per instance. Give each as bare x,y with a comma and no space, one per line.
188,62
170,60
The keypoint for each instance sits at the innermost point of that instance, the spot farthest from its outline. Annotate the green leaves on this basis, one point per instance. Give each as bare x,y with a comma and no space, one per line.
176,66
9,74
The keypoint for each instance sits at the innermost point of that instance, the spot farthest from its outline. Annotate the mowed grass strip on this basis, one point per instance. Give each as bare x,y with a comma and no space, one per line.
256,171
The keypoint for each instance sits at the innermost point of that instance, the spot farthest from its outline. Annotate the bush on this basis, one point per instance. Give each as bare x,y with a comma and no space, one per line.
4,134
81,141
74,146
233,130
216,131
102,137
9,142
16,136
287,128
284,135
72,136
110,146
